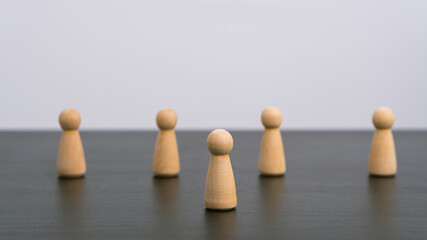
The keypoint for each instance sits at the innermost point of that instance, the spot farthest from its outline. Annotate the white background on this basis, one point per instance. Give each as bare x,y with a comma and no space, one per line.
325,64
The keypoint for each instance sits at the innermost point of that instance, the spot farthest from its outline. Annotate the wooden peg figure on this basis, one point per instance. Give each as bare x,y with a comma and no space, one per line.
166,157
220,188
71,158
382,157
272,155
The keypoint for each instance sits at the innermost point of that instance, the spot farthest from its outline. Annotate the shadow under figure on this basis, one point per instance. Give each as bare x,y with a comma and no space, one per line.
220,225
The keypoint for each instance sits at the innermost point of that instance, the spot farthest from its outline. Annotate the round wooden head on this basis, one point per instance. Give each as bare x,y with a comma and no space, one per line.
166,119
271,117
383,118
69,119
220,142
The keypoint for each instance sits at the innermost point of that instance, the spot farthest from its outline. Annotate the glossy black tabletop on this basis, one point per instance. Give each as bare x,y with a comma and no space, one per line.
325,194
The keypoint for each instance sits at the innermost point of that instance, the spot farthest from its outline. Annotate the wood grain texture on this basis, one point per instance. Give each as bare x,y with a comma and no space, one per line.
271,160
382,156
272,156
327,195
220,187
166,154
71,161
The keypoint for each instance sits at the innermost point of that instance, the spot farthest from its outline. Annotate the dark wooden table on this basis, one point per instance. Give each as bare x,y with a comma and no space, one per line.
326,193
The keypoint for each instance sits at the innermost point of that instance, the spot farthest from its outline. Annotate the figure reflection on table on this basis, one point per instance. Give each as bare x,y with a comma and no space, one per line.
382,191
271,190
220,224
381,201
71,199
166,194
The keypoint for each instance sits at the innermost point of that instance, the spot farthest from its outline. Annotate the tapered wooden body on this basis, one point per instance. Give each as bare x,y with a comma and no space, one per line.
382,157
166,156
71,158
272,156
220,187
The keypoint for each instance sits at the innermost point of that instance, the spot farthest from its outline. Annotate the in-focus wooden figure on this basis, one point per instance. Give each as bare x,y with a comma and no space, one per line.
71,158
382,157
220,187
271,155
166,156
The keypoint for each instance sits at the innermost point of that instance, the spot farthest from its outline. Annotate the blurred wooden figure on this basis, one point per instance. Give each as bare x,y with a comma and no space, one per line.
272,155
166,156
382,157
71,158
220,188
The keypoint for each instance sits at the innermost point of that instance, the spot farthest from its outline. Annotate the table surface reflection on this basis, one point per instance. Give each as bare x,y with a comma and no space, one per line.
326,193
